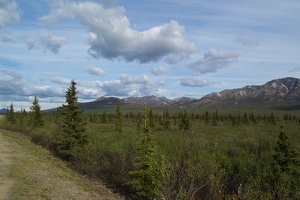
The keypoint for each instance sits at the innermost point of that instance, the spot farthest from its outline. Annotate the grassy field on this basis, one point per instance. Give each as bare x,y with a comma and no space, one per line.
213,159
34,173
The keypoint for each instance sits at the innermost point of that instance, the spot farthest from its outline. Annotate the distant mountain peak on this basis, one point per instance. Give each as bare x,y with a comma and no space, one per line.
283,91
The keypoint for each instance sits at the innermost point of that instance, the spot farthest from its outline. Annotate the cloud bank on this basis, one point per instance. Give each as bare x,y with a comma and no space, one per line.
212,61
111,37
195,82
95,71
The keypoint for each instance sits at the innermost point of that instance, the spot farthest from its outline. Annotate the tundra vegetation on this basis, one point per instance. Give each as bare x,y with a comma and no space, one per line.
171,153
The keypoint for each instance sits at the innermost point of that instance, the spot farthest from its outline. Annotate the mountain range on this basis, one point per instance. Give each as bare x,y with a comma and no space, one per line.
279,93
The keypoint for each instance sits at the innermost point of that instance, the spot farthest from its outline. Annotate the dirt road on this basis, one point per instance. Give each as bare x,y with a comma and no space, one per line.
28,171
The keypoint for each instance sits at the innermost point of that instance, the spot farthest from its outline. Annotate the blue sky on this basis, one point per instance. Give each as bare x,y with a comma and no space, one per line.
170,48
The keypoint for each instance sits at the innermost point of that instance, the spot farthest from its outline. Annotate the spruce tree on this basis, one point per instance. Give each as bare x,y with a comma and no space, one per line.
206,118
119,118
166,118
246,119
184,121
286,168
73,137
36,116
10,115
147,176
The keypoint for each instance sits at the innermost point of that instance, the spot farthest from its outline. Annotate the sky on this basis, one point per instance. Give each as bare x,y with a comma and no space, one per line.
170,48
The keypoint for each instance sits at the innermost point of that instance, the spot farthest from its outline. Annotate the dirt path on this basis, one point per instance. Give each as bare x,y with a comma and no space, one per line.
5,162
28,171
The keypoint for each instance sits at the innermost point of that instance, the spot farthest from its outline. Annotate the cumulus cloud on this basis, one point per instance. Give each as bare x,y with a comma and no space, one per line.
13,85
95,71
111,37
212,61
11,81
60,80
52,42
195,82
44,91
157,71
128,85
9,12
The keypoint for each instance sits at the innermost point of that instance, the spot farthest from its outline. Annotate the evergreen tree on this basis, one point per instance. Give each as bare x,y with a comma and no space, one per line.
73,136
10,115
184,122
147,177
104,118
119,118
36,116
246,119
206,118
286,168
166,118
214,119
151,118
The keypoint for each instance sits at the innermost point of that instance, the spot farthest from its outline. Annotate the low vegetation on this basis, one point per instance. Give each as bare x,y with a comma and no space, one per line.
199,154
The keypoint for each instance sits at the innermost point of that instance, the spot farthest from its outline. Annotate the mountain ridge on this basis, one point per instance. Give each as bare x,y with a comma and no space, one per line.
277,92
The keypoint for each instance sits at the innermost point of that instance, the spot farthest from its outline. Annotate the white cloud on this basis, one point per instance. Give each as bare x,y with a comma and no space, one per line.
95,71
60,80
132,86
212,61
157,71
11,81
44,91
52,42
195,82
111,37
8,12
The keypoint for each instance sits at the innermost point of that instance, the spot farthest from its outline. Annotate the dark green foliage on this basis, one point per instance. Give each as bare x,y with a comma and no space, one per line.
73,137
147,176
184,122
104,118
286,168
215,119
206,118
166,118
208,162
118,118
36,119
10,115
151,118
246,119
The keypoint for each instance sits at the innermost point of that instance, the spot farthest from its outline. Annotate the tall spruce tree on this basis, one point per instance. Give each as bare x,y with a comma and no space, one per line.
166,118
147,176
119,118
185,123
286,168
73,136
10,115
36,116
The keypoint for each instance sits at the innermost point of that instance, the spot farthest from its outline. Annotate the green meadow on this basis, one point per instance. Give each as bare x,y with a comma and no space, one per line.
222,154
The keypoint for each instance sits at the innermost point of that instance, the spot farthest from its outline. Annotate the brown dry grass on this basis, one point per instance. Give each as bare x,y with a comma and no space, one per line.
31,172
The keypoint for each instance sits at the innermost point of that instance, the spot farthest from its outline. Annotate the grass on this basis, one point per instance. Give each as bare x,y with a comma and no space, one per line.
37,174
222,160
